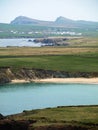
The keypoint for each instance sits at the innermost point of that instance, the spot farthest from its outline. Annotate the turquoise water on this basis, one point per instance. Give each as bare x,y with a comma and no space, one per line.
15,98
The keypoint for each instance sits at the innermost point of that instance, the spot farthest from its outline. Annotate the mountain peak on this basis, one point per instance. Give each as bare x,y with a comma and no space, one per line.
63,20
60,21
23,20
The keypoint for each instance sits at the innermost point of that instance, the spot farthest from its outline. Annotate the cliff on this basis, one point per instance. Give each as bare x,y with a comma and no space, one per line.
8,74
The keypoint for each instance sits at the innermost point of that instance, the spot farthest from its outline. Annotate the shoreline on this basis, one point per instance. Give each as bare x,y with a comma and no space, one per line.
59,80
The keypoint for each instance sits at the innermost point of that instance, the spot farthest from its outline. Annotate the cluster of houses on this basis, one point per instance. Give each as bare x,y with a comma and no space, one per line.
48,32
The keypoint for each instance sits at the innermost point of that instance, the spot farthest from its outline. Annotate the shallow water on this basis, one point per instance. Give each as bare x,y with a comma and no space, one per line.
18,42
15,98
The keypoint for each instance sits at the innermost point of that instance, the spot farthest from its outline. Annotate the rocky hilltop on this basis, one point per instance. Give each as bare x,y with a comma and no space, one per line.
7,74
60,21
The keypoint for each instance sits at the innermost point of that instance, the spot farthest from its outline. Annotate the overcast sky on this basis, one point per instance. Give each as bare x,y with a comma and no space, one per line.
49,9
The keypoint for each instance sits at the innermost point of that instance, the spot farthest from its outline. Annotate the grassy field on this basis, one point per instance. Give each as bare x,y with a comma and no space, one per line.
84,42
22,31
51,58
27,51
81,55
61,63
82,116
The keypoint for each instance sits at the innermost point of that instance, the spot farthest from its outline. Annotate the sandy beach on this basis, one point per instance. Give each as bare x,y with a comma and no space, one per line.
69,80
20,81
60,80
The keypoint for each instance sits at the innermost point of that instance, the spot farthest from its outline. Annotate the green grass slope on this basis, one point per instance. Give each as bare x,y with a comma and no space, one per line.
84,116
61,63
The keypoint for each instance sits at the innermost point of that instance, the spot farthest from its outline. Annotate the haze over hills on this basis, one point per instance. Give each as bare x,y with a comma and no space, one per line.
60,21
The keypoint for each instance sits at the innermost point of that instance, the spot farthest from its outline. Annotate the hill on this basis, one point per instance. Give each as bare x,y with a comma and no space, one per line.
60,21
21,20
24,27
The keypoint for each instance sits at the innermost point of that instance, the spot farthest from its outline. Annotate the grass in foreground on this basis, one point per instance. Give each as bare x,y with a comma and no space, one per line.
81,116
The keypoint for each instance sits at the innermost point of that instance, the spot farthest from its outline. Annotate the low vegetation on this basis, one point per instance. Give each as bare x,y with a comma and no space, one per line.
70,118
84,42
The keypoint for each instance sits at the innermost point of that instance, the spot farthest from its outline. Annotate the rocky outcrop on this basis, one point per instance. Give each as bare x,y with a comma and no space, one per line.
54,41
49,40
1,116
7,74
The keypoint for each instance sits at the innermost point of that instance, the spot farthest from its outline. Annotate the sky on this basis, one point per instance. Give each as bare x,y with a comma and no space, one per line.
49,10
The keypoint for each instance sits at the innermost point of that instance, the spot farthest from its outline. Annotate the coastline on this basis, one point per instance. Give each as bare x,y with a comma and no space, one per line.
59,80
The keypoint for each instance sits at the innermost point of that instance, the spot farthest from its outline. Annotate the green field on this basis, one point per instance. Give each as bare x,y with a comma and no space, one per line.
22,31
64,62
51,58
